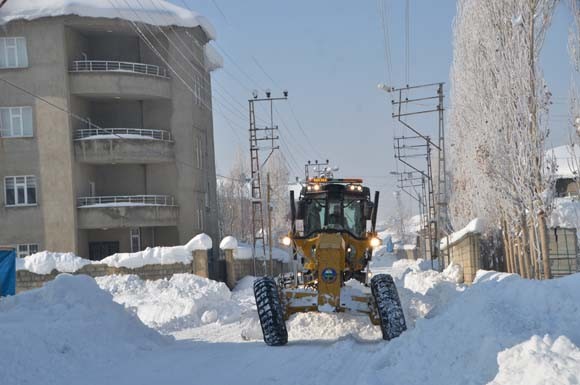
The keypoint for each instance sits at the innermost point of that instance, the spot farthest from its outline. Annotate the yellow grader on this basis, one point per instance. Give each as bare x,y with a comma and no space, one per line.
333,246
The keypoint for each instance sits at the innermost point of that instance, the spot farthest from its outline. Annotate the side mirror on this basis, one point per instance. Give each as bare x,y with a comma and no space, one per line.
368,209
300,212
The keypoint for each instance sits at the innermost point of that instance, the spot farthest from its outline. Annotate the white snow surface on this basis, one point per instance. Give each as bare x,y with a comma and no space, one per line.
539,361
169,305
475,226
566,213
67,330
229,243
155,12
566,158
213,60
485,333
244,251
45,261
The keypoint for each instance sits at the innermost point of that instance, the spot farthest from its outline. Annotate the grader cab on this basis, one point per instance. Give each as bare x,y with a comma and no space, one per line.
333,246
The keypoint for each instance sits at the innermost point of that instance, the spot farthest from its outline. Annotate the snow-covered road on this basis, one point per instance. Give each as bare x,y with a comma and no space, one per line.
501,330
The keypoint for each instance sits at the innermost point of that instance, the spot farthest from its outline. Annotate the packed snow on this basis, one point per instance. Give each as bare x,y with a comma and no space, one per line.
500,330
155,12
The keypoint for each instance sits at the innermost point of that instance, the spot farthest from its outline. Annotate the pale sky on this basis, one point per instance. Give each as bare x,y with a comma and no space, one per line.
329,54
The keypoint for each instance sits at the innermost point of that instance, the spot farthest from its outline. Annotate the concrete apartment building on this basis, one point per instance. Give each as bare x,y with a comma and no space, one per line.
133,164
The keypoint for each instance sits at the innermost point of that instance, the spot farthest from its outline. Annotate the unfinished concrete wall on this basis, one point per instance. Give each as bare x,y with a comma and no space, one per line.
466,253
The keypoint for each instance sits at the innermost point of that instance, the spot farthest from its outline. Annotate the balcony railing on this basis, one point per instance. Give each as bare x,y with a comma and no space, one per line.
122,133
118,66
126,200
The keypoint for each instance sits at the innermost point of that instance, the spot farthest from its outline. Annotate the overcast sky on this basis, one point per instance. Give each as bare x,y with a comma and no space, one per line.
329,54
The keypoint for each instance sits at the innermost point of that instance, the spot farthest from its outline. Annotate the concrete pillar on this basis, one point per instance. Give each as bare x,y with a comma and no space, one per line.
200,265
231,274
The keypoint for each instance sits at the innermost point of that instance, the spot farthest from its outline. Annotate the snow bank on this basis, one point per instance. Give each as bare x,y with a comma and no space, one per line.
149,256
539,361
158,12
45,261
168,305
467,335
473,227
48,334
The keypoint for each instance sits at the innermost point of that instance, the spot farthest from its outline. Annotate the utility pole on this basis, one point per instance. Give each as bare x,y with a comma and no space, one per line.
262,138
420,145
269,203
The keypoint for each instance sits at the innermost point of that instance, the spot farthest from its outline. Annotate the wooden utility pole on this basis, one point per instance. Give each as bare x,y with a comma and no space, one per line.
269,206
544,245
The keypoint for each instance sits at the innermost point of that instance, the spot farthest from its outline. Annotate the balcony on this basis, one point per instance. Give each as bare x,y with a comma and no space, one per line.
114,79
123,145
107,212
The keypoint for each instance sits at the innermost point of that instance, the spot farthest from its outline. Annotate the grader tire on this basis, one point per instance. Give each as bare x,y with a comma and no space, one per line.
270,312
389,307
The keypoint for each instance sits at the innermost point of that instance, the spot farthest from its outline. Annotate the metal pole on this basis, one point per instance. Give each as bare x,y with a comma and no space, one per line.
269,198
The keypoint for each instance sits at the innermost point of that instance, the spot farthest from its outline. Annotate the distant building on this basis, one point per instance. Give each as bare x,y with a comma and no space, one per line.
148,176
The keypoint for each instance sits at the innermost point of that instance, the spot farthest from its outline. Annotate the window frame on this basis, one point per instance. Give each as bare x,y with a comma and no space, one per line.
13,46
15,184
28,246
20,114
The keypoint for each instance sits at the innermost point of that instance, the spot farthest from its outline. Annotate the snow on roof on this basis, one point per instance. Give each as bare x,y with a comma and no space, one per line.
213,60
567,158
155,12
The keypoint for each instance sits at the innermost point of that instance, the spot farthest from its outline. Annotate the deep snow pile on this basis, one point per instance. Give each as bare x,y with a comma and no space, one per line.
48,334
461,343
169,305
540,361
45,261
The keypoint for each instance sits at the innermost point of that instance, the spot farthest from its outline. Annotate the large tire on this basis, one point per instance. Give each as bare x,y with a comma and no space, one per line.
389,307
270,312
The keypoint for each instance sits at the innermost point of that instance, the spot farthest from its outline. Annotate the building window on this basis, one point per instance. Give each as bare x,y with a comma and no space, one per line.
20,190
200,218
13,52
199,153
135,240
26,250
15,122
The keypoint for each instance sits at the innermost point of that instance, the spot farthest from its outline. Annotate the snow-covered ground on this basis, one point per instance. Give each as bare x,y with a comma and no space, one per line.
501,330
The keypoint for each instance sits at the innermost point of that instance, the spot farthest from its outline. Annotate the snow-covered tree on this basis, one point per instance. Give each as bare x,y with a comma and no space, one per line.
499,107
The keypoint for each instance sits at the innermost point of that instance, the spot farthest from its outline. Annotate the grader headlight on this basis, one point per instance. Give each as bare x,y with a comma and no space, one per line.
286,241
375,242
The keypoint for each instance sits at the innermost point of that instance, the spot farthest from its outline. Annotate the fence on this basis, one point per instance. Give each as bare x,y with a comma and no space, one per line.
563,248
145,200
117,66
119,132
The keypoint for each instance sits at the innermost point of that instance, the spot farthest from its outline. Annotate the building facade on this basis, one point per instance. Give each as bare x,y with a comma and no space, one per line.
108,144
